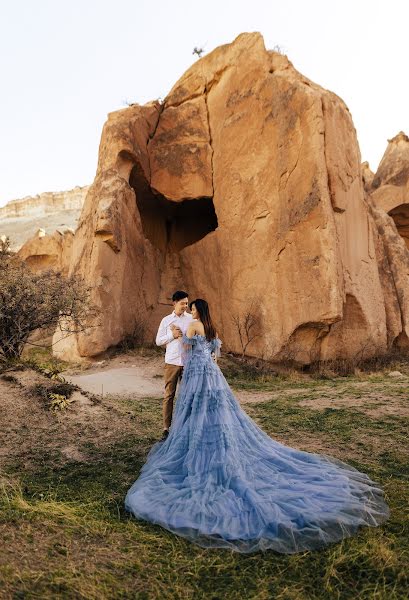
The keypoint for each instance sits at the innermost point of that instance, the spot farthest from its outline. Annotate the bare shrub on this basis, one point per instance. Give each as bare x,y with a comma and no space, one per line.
198,51
279,49
9,379
248,369
364,359
31,301
247,325
136,338
391,359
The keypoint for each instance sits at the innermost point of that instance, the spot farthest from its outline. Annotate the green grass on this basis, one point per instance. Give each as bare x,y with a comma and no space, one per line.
43,358
65,533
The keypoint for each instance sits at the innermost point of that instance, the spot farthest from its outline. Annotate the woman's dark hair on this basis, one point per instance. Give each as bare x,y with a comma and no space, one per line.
179,295
202,308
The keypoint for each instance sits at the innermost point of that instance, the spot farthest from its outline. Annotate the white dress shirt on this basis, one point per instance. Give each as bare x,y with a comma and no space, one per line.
165,337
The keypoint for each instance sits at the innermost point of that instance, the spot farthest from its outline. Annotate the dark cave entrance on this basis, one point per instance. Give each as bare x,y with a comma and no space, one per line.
171,226
400,214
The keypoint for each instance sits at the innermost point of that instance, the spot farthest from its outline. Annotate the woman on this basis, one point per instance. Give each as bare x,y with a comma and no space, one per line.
220,481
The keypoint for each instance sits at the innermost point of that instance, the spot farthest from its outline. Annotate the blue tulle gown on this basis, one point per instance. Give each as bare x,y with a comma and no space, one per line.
220,481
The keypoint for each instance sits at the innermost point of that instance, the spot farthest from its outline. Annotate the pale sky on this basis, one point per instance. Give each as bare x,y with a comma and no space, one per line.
65,64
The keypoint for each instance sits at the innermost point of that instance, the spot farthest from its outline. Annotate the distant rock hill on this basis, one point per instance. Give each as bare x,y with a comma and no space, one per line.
20,219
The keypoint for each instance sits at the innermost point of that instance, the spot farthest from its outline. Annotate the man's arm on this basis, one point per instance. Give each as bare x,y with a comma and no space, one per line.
163,338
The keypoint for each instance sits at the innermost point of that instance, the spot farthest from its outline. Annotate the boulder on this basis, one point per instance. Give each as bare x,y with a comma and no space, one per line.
43,252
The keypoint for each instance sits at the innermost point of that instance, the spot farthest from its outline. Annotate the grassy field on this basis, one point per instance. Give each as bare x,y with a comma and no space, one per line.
65,533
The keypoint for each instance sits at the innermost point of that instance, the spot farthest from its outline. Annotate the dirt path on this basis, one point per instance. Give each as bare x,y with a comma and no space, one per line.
142,377
118,381
139,377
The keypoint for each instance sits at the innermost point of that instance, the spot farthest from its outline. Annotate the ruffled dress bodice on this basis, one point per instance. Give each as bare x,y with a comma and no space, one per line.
199,349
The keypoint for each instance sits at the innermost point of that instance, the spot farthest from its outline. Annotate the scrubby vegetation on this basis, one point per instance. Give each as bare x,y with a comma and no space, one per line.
32,301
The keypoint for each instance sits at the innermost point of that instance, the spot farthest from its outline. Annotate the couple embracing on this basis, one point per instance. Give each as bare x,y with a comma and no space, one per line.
170,334
219,480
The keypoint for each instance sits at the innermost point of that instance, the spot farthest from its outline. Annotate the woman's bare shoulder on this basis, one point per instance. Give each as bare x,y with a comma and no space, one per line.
195,327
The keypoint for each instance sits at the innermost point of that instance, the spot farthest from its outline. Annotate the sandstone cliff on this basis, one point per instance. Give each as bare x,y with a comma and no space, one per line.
20,219
244,187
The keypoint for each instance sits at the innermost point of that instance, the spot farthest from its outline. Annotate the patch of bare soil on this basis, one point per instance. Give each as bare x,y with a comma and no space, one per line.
29,425
375,400
253,397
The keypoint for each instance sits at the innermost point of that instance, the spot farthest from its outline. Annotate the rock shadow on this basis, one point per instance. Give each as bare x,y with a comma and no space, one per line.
171,226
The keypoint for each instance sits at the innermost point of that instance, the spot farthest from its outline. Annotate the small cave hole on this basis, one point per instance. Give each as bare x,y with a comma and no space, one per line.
171,226
400,214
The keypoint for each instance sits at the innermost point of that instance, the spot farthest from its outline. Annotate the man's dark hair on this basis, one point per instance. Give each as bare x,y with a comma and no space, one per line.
179,295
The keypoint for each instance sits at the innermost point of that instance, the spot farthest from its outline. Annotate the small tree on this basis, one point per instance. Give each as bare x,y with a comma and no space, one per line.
31,301
279,49
198,51
247,325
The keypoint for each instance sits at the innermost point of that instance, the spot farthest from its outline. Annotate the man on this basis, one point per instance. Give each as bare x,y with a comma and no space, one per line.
169,333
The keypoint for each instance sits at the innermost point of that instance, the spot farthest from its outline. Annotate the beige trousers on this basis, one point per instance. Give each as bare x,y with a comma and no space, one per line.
173,373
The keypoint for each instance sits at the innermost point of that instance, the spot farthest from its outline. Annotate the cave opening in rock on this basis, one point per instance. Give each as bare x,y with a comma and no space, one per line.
171,226
400,214
41,262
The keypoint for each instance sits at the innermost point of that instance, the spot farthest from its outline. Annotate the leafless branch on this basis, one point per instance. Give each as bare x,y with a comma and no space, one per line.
247,325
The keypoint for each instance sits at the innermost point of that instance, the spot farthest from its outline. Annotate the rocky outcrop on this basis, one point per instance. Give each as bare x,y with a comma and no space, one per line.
244,187
47,202
20,219
393,260
367,176
43,252
389,188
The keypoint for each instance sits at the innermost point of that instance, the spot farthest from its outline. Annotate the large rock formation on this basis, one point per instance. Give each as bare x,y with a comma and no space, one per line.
243,187
20,219
389,187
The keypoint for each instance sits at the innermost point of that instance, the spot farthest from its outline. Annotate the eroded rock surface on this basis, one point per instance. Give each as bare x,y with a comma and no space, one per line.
43,252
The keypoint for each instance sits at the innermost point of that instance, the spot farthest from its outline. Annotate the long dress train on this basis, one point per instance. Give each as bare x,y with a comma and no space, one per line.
220,481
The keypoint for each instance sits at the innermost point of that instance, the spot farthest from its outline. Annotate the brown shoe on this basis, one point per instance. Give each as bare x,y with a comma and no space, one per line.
164,435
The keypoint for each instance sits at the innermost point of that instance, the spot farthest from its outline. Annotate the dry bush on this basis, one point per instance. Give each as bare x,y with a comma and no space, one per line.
365,359
31,301
136,338
48,388
247,325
